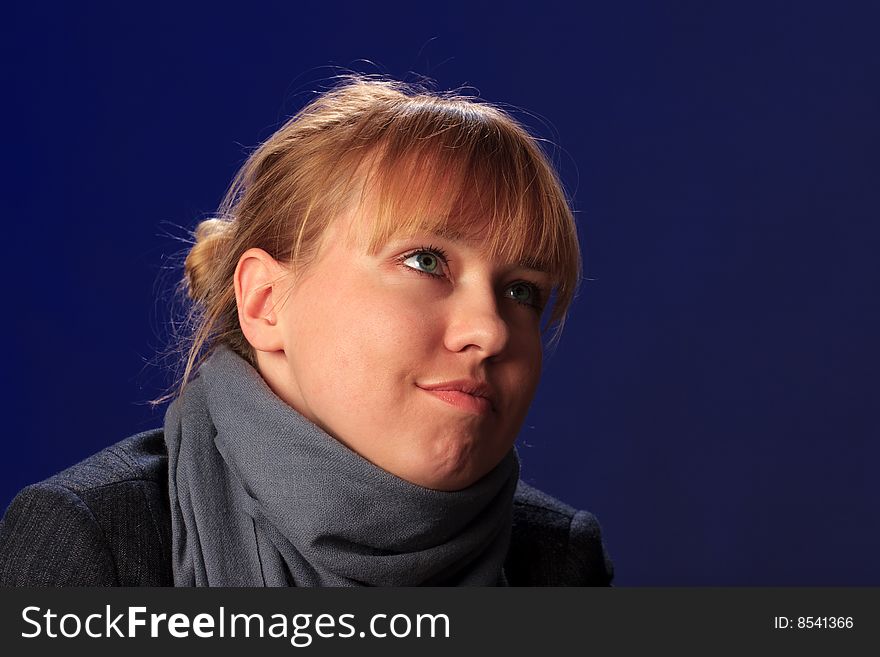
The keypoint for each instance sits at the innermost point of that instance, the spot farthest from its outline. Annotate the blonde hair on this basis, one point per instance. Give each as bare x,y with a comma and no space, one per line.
434,162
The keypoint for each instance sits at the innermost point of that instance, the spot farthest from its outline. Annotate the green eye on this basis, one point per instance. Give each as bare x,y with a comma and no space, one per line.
425,261
523,293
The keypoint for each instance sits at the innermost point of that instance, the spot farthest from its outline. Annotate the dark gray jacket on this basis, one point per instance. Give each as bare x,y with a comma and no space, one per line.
106,522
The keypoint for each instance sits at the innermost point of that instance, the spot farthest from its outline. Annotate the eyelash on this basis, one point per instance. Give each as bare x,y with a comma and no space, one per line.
538,290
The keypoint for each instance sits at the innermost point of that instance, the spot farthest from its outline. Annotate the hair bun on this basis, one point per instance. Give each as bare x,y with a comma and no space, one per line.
212,238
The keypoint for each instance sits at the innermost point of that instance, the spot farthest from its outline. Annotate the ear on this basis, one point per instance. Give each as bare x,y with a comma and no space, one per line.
260,285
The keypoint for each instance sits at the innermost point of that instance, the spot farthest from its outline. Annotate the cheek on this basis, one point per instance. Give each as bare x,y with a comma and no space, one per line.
524,371
368,347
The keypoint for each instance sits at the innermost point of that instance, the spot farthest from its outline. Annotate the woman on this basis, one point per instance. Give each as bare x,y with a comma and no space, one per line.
366,343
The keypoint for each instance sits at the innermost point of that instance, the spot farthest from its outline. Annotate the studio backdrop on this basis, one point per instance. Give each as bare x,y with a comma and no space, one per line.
713,399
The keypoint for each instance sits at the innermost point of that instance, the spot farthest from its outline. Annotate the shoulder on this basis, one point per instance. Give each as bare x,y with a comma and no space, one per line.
101,522
554,544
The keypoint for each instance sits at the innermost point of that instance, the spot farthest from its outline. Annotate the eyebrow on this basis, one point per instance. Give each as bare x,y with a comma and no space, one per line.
456,235
450,233
533,264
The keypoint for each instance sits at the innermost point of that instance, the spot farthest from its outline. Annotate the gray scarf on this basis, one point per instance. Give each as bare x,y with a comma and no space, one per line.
261,496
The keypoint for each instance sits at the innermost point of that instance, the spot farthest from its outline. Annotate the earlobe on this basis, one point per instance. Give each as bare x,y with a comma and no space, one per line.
258,283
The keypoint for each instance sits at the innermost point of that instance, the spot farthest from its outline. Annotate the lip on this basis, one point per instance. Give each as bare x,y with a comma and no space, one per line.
466,394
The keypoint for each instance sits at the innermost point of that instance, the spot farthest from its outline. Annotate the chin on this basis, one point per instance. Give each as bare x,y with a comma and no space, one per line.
454,468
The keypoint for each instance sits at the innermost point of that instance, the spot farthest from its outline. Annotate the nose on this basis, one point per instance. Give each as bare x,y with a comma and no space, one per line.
476,322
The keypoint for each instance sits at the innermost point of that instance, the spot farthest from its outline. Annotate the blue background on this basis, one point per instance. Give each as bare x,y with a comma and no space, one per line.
714,398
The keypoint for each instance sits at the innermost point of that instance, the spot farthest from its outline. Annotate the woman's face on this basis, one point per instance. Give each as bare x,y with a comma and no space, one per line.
365,336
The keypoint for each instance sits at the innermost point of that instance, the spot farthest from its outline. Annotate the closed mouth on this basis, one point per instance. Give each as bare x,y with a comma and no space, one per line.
462,400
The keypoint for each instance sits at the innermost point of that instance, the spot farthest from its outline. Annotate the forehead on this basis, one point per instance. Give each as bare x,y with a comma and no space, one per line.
506,220
364,228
